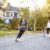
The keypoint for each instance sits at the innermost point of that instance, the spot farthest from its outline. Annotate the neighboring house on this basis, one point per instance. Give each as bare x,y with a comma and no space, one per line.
9,13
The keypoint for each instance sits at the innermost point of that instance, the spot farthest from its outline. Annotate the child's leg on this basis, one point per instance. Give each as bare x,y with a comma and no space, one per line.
47,30
20,34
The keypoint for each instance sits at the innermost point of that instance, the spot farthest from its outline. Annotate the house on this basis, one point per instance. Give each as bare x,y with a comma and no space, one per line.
9,13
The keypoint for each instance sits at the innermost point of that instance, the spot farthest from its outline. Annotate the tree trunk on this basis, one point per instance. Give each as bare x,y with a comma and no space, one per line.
35,25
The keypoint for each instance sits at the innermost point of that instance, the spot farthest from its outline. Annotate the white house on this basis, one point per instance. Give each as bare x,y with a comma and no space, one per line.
9,13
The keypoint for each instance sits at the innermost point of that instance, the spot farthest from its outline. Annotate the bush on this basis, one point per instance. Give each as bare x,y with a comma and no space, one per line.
1,21
31,24
41,23
5,27
14,23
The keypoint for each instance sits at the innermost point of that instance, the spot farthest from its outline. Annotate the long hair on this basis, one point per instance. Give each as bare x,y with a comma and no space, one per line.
22,21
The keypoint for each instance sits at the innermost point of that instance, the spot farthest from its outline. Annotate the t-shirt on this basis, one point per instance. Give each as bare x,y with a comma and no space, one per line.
48,25
23,23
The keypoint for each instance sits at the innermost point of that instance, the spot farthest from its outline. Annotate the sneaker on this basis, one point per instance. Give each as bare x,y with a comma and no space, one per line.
16,40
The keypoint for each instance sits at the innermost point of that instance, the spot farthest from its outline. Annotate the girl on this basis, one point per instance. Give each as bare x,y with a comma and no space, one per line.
22,29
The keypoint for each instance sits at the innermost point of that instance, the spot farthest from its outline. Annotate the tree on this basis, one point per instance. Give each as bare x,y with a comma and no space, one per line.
41,23
1,21
30,23
14,23
24,12
40,19
35,15
2,4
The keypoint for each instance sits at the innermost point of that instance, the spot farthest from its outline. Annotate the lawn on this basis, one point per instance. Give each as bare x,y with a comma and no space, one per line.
10,32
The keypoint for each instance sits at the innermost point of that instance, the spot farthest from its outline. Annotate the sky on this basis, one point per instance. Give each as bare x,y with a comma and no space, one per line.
28,3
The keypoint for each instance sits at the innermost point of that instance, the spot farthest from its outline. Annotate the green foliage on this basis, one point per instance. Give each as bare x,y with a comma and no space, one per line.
24,12
5,27
1,21
14,23
40,19
41,23
8,32
31,23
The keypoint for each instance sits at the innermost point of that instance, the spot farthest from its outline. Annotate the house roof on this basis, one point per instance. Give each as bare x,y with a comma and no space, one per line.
11,8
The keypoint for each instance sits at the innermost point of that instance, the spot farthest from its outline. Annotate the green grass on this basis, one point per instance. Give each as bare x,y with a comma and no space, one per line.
10,32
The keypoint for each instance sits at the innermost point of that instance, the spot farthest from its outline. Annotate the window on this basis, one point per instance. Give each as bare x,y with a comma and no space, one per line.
7,21
11,14
15,14
7,14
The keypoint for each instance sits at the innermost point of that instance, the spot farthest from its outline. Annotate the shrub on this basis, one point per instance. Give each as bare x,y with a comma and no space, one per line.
14,23
1,21
41,23
5,27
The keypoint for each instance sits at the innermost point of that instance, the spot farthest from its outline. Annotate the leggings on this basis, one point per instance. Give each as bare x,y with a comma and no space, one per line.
20,33
48,30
